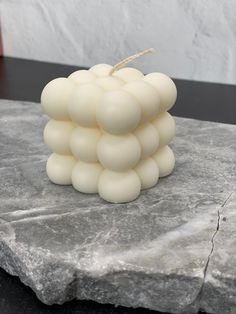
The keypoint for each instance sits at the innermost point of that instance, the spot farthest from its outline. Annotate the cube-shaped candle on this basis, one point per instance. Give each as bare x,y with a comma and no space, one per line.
109,130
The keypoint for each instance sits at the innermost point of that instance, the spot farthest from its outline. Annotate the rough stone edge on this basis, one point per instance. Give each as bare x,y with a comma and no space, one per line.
77,278
70,291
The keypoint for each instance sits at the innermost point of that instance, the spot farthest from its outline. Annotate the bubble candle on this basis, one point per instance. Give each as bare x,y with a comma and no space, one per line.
110,130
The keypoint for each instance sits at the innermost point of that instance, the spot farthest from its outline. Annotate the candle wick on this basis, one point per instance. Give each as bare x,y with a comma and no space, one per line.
129,59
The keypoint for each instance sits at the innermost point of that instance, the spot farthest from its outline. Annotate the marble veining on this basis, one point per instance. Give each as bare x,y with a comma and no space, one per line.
170,250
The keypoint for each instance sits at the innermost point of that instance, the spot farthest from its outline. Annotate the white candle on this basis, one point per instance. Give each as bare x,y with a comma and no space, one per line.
119,187
82,106
148,172
109,82
82,76
110,130
128,74
165,126
83,143
57,136
118,112
165,160
119,153
101,69
148,138
165,87
147,97
85,176
59,168
55,98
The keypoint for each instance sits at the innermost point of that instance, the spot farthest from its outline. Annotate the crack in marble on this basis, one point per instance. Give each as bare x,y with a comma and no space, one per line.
218,225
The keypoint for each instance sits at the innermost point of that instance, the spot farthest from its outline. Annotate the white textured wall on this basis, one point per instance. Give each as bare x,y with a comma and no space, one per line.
195,39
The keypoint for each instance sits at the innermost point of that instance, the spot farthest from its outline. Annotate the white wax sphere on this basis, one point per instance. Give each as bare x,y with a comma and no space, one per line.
118,153
83,143
148,138
82,76
118,187
147,97
118,112
55,98
57,136
165,125
59,168
109,83
85,177
148,173
82,108
165,87
101,69
128,74
165,160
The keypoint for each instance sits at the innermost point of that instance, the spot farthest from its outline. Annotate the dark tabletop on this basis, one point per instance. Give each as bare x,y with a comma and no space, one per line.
24,80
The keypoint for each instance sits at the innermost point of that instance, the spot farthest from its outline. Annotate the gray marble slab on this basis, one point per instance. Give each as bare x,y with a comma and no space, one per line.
172,250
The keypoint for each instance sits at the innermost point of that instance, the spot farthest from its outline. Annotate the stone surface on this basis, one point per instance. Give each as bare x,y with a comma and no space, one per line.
163,251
